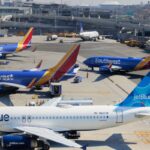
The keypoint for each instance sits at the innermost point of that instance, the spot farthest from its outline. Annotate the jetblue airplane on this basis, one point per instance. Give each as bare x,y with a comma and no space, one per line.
112,63
65,68
17,47
50,123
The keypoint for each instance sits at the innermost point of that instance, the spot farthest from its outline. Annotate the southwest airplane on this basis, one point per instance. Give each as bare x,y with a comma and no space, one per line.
17,47
111,63
65,68
49,123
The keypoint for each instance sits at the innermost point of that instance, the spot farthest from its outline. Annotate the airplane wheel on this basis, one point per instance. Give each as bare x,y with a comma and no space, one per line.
46,147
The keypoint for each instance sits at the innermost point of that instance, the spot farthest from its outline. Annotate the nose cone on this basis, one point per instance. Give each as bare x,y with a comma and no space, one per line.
86,62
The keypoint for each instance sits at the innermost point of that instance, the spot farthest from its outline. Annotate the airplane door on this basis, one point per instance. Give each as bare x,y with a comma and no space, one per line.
119,116
24,119
28,118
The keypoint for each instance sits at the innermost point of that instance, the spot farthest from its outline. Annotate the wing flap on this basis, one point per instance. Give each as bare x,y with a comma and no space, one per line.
48,135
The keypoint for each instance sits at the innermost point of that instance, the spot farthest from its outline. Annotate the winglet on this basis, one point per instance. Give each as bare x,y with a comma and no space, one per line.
84,147
34,49
39,64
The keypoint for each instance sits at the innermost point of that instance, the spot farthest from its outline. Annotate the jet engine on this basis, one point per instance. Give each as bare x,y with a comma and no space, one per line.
72,134
21,142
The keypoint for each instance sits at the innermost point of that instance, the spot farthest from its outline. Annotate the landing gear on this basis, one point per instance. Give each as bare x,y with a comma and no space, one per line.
3,56
43,146
38,87
72,135
94,39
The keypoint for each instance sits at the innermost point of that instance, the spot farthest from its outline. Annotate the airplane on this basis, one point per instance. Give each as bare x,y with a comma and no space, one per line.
112,63
25,43
88,35
49,122
64,69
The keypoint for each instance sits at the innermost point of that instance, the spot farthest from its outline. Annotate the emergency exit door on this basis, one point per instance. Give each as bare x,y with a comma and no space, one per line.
119,116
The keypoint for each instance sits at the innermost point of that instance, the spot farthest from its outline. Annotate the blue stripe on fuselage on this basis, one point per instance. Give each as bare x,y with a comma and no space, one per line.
20,77
126,63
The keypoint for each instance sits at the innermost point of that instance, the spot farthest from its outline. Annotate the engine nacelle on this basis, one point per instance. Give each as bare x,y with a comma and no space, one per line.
19,141
104,68
72,134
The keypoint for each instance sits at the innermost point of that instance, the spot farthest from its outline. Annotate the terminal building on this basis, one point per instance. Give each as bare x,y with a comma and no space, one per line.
63,18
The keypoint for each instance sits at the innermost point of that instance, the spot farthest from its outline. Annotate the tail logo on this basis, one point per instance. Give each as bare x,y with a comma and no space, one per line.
26,41
140,96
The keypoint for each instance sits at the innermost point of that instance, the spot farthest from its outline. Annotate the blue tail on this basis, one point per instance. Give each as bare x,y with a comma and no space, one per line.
140,96
81,27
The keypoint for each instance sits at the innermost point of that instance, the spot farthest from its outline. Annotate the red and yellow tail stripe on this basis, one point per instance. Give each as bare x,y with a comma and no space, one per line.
62,67
143,63
25,41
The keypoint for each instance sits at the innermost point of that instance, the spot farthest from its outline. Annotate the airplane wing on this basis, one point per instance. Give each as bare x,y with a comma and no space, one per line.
52,102
48,135
113,67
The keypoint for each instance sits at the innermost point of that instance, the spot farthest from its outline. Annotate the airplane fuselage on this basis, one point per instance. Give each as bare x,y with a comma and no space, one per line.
20,78
77,118
125,63
23,78
11,48
89,35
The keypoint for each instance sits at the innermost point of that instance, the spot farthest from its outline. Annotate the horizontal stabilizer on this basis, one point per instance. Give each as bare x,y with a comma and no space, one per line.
140,115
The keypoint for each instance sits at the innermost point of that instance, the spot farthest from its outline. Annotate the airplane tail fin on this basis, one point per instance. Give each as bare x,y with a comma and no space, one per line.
64,65
144,64
140,96
26,41
81,27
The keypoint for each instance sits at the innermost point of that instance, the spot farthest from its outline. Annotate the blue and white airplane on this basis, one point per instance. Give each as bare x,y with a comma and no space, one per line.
88,35
49,123
64,69
25,43
112,63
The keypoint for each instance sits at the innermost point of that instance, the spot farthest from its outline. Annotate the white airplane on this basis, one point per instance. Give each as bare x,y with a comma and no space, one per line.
49,122
88,35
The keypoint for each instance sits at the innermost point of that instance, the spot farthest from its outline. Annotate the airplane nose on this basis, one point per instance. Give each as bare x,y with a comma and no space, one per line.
85,62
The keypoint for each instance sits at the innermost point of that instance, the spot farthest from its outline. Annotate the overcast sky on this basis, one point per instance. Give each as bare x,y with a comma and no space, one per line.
93,2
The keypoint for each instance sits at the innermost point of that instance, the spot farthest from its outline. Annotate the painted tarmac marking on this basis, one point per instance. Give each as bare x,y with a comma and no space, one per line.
144,136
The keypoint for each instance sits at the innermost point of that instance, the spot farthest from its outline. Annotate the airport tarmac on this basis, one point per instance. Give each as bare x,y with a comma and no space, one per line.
103,89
